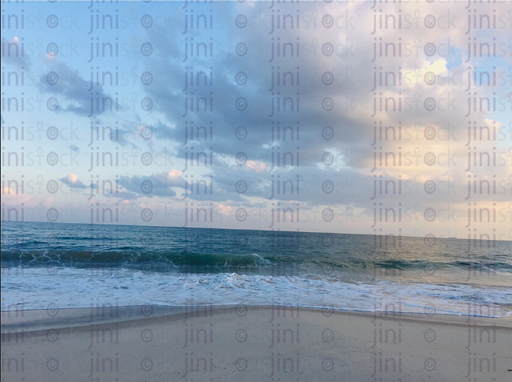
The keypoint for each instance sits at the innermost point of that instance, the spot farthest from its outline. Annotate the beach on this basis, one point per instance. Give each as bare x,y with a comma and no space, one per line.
251,343
227,305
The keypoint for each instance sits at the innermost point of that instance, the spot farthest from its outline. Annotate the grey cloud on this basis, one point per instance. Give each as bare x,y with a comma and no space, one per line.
351,91
154,185
303,184
67,82
200,188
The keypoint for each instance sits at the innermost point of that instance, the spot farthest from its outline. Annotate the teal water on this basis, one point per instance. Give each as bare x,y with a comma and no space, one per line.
70,264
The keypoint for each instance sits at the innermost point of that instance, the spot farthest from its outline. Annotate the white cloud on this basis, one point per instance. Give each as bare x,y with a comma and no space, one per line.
257,166
224,210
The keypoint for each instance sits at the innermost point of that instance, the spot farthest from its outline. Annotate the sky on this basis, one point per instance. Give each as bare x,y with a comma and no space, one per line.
329,116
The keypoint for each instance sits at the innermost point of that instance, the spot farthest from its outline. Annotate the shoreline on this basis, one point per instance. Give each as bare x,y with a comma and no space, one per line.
84,316
252,343
140,311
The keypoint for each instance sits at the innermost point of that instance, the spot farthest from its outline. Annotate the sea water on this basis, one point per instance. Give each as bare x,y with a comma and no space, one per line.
51,265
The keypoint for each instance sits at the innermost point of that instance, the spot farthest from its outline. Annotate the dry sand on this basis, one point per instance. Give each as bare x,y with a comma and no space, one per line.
156,343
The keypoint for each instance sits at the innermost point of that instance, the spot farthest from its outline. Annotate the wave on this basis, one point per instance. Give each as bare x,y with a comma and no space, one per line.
201,262
128,258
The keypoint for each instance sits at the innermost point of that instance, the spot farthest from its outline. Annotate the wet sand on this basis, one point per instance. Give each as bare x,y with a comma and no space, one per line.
248,343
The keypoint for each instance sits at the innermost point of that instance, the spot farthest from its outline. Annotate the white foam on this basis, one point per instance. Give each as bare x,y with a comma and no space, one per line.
37,288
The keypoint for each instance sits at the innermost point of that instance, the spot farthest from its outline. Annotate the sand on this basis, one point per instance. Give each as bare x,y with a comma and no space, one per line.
247,343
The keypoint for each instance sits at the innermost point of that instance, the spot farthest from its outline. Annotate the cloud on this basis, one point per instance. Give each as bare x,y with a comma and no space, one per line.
13,54
124,195
201,188
74,148
223,210
62,80
353,79
158,184
162,131
258,166
72,181
174,175
14,197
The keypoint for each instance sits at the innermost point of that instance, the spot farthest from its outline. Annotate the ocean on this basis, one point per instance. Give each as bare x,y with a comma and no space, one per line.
52,265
